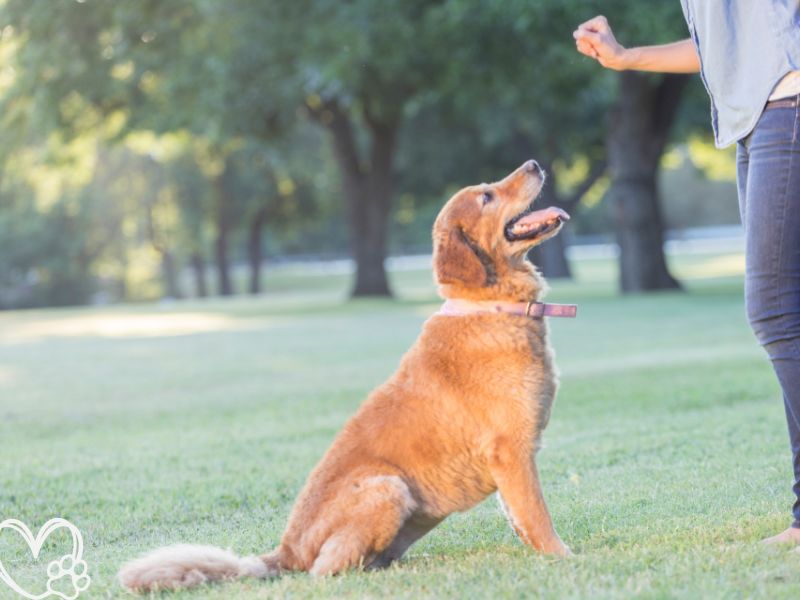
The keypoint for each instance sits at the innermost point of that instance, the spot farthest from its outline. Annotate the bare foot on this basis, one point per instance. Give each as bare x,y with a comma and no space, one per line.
789,536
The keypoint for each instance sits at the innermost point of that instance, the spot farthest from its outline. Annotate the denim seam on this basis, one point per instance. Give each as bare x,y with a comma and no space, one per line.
794,133
793,341
778,255
778,261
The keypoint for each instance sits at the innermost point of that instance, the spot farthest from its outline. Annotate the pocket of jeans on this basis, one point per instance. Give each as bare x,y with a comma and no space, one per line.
775,126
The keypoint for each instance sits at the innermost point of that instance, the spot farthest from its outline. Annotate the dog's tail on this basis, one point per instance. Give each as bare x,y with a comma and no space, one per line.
185,565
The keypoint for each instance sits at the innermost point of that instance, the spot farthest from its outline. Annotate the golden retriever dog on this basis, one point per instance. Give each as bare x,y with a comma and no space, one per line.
461,417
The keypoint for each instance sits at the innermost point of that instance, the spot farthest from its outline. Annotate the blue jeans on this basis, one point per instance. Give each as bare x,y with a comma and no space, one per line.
768,176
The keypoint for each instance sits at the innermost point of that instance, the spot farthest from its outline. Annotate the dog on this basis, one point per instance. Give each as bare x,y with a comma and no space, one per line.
461,418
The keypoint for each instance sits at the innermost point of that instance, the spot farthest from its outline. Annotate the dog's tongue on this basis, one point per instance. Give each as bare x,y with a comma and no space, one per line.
547,216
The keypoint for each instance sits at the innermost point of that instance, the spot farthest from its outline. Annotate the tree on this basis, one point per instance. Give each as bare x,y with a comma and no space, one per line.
504,71
356,77
520,92
555,110
54,231
365,78
192,196
275,191
639,125
137,65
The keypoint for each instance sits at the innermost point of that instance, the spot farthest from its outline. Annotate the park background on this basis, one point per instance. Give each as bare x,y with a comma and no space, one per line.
235,199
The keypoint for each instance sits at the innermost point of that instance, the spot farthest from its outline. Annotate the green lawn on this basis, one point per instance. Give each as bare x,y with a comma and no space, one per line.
665,462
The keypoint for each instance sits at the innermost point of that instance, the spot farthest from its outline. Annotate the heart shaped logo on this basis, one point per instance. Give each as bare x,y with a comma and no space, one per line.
70,571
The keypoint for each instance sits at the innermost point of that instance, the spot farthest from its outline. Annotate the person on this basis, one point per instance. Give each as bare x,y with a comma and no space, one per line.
748,55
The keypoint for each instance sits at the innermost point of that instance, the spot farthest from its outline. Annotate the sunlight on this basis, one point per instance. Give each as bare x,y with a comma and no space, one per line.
121,326
7,376
728,265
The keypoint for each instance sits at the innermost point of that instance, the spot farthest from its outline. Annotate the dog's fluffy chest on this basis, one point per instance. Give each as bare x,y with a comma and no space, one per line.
471,381
485,356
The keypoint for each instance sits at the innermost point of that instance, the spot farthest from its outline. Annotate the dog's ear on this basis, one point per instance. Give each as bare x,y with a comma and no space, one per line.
458,259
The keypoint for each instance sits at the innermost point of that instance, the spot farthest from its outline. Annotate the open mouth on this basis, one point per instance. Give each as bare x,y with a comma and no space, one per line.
531,224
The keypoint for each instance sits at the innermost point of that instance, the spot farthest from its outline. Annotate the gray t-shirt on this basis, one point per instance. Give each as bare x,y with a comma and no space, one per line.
745,48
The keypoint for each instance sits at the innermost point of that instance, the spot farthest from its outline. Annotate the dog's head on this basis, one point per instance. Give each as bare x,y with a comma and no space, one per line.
482,234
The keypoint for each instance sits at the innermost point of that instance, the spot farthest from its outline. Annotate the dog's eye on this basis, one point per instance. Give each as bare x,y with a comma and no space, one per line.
487,197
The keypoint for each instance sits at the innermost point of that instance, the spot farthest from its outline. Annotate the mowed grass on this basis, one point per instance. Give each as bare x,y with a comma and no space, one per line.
665,462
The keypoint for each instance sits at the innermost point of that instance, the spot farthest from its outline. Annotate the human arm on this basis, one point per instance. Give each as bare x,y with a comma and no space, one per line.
595,39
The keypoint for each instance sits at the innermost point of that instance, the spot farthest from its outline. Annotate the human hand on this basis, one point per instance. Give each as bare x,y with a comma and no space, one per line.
595,39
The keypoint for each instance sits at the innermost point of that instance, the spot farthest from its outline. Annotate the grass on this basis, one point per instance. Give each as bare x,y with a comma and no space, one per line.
666,458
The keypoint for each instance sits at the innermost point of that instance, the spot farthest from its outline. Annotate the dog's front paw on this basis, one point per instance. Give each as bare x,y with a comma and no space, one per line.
67,578
558,548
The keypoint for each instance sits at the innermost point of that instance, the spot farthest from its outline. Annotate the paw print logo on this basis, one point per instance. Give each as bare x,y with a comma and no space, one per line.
67,577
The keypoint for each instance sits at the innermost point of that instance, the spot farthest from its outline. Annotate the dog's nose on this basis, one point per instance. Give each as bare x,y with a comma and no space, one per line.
532,167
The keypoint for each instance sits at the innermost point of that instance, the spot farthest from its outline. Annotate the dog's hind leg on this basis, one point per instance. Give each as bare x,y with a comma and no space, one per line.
411,531
371,518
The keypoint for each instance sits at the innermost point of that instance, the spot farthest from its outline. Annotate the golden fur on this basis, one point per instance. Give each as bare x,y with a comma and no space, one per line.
459,419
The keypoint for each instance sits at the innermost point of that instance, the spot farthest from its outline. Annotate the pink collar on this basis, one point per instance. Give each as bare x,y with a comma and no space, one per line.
536,310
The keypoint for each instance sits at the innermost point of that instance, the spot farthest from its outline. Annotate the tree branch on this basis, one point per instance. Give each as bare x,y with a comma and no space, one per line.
331,116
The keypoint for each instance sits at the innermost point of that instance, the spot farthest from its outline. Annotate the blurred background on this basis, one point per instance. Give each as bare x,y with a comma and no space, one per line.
165,150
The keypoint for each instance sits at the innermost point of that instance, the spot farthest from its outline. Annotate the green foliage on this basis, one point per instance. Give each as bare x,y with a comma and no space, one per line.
475,86
45,256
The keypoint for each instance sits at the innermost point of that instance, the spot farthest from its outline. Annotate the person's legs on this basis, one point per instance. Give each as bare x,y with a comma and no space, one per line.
769,178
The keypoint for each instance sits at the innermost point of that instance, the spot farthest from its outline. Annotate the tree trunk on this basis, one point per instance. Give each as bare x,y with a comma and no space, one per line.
222,219
369,217
168,269
368,225
254,249
642,266
199,272
170,274
638,129
367,190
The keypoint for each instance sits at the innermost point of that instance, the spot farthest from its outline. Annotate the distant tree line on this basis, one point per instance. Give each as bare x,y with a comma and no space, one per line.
180,132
